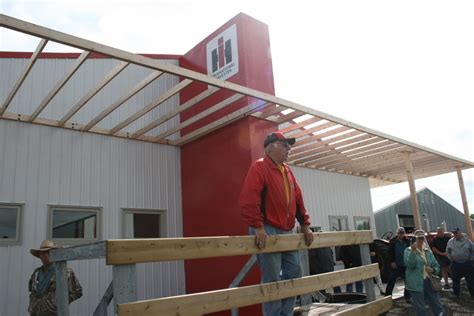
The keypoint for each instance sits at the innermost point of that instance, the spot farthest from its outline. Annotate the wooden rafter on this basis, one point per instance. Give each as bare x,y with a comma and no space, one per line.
23,75
336,140
201,96
111,75
301,124
162,98
327,146
232,117
199,116
59,85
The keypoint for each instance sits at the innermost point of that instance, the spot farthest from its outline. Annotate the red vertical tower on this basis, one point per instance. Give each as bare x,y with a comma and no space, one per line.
214,166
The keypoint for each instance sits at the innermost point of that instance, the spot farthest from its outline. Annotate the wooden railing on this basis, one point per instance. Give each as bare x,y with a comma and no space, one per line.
124,254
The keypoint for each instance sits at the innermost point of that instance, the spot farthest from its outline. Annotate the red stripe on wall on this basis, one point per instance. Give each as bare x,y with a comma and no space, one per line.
76,55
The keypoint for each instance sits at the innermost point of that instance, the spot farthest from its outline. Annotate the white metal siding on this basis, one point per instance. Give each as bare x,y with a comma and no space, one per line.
333,194
47,72
42,165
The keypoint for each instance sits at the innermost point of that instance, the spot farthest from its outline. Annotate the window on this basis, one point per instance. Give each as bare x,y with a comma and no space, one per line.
138,223
362,223
76,224
10,223
406,221
338,223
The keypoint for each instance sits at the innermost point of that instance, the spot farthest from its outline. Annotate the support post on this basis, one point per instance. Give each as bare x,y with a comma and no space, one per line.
62,288
124,284
413,198
243,272
101,309
369,283
305,299
467,218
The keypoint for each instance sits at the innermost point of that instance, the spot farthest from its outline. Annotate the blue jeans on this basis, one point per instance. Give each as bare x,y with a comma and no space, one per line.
359,287
427,296
278,266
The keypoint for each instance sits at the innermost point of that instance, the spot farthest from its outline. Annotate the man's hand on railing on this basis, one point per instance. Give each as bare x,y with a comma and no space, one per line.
308,235
260,237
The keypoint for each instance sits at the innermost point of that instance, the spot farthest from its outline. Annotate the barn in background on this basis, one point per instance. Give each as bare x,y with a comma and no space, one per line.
435,212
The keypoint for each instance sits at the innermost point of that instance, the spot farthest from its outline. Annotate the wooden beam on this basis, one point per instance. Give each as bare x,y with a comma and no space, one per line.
272,110
314,129
138,87
467,218
344,152
23,75
413,199
198,98
69,126
111,75
377,307
220,300
424,166
378,161
79,61
346,138
304,123
79,252
289,117
199,116
162,98
229,118
126,251
335,160
62,297
29,28
377,154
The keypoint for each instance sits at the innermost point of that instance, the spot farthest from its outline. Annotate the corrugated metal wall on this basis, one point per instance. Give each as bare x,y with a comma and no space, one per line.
333,194
42,165
436,209
47,72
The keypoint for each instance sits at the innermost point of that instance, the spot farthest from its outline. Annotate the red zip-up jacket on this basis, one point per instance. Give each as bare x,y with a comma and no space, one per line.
263,197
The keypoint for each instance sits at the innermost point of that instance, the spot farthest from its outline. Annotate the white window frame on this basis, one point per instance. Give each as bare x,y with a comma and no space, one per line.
52,208
345,217
362,218
162,213
19,224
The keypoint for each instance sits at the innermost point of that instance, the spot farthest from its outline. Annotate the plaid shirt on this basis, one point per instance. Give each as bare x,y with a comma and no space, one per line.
44,304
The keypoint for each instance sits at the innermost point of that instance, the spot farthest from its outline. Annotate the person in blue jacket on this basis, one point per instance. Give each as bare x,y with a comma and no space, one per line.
420,263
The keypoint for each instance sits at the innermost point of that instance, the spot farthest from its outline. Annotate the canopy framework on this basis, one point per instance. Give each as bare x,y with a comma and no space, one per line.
324,142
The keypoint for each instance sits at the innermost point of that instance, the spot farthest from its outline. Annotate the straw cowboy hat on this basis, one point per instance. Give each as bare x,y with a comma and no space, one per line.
45,246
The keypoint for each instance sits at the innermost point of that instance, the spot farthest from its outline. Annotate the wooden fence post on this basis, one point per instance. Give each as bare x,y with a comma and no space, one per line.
369,283
124,283
62,288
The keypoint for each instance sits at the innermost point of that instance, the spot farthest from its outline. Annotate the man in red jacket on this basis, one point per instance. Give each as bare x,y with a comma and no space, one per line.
270,201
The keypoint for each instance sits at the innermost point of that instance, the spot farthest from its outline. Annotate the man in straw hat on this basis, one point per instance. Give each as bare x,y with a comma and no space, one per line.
42,284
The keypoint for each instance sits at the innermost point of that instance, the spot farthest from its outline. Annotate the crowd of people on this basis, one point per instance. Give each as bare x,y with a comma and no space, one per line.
413,260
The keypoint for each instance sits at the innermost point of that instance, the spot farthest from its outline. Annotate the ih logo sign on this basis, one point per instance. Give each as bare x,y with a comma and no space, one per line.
222,54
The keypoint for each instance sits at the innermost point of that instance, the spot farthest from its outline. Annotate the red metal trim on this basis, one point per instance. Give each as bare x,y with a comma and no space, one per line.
76,55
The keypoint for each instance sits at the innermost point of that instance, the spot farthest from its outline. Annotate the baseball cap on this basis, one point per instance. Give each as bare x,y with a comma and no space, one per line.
456,230
277,136
401,230
420,233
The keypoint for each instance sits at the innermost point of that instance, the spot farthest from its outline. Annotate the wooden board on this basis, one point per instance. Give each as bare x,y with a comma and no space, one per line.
127,251
220,300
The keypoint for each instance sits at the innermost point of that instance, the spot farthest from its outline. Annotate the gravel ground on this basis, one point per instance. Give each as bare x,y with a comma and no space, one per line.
454,307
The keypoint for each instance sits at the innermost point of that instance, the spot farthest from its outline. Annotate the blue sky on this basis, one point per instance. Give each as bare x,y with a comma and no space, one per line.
404,68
